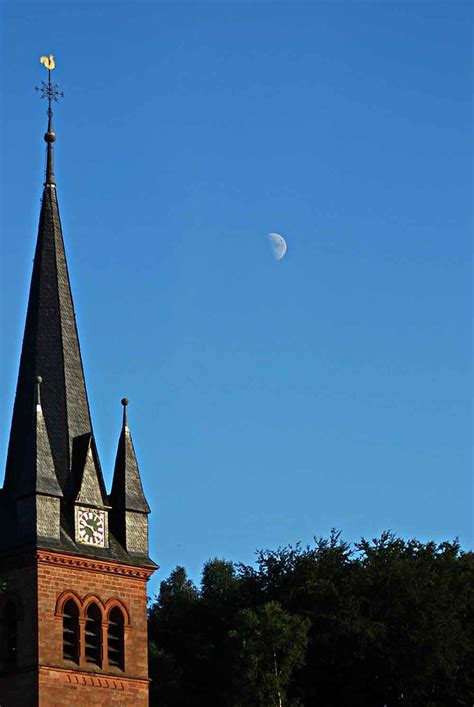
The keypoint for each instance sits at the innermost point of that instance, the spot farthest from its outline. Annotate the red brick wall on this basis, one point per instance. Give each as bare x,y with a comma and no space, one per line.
105,583
63,688
50,576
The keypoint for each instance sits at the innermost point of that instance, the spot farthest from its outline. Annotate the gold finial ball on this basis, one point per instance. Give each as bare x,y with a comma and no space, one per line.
125,402
39,379
50,136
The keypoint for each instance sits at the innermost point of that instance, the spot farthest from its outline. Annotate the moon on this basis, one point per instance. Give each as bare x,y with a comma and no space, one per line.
278,245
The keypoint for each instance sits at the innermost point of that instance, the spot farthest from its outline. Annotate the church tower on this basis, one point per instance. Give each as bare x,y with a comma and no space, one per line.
74,560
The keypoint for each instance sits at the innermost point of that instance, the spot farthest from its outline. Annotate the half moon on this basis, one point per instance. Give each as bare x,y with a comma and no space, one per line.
278,245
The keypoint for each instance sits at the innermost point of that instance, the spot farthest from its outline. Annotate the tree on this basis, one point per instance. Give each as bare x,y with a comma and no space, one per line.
386,621
172,641
219,603
271,644
219,583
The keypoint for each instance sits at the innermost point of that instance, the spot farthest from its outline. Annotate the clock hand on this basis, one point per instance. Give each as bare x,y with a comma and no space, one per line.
89,530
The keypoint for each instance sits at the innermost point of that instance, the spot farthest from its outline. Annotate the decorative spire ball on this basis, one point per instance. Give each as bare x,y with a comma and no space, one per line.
50,136
124,402
39,380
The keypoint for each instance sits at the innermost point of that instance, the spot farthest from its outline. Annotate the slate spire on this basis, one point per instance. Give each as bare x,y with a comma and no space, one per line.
127,490
37,475
50,342
129,515
38,493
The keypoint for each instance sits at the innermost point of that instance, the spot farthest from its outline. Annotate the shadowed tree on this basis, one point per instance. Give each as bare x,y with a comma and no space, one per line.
219,603
172,640
270,644
387,621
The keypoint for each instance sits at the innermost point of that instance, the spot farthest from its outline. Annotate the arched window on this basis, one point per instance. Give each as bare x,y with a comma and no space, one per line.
71,634
9,630
115,638
93,631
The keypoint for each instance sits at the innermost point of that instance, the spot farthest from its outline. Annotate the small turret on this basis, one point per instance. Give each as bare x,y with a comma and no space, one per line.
129,515
38,492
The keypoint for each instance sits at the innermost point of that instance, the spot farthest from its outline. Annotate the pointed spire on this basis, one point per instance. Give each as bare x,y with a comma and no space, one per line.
37,474
50,342
127,491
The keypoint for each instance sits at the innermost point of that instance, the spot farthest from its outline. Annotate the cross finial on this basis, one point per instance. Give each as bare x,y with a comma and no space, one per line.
50,91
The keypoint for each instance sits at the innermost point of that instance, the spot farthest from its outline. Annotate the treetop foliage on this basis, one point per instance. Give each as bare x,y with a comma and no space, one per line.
381,622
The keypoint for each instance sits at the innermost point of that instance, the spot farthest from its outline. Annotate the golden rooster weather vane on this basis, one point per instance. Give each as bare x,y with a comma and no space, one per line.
49,90
48,62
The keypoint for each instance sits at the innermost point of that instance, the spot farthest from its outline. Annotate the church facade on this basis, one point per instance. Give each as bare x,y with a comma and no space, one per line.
74,560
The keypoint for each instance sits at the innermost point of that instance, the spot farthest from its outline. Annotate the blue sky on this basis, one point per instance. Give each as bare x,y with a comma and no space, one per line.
269,401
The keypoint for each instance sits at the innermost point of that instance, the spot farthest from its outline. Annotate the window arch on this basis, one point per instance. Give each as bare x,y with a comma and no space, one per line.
94,632
115,638
9,621
93,635
71,632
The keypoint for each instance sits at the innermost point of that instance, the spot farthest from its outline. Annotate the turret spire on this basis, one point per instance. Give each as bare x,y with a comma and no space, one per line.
37,474
130,509
127,491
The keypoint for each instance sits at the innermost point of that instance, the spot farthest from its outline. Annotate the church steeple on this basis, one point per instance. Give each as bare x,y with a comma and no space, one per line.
73,594
54,455
50,344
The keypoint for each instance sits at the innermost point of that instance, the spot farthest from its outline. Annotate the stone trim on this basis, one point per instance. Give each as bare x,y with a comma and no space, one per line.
63,598
103,567
114,603
83,603
78,677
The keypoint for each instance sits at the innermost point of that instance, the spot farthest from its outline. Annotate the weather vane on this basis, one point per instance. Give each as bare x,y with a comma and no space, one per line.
48,89
52,93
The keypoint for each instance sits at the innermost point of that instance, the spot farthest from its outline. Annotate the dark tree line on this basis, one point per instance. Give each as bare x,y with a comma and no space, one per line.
387,622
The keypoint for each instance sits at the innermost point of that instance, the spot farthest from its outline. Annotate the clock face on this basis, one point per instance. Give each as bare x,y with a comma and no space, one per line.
91,527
